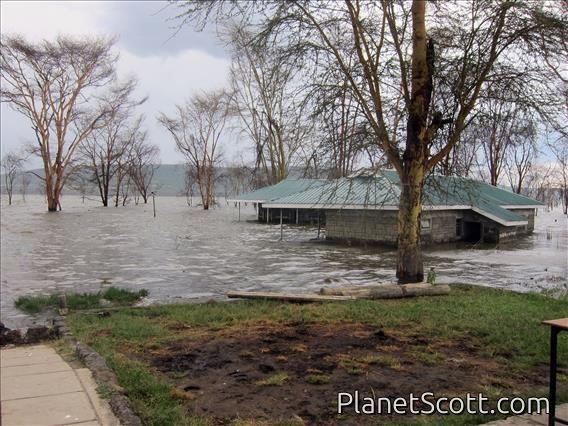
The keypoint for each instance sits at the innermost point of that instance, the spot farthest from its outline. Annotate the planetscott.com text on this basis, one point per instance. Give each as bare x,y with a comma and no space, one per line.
428,403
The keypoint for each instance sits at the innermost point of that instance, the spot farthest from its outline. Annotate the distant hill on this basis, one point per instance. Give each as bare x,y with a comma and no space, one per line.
169,180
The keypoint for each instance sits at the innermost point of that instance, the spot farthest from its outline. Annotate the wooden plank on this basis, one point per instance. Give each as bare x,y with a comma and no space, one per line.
286,297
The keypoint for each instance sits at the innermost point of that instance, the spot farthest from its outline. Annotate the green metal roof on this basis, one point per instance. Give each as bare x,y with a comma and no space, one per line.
381,191
281,189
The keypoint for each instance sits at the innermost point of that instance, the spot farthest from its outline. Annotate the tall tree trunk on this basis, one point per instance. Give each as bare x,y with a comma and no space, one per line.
410,266
51,189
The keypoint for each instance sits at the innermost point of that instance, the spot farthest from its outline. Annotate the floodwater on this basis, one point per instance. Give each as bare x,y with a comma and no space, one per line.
189,254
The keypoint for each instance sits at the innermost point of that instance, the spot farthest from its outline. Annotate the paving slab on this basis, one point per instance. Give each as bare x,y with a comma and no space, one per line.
31,386
48,410
26,370
28,356
39,388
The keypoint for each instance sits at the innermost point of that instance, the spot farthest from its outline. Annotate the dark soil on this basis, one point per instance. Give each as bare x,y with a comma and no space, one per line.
220,376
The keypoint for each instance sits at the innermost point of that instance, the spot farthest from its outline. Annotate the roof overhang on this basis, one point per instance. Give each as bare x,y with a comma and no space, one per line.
239,200
518,207
356,207
497,219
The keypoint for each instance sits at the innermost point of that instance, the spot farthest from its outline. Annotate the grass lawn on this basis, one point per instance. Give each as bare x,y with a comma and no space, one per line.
265,362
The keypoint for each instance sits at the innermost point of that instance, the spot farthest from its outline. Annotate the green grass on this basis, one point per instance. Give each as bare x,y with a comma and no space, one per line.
277,379
317,379
79,301
503,325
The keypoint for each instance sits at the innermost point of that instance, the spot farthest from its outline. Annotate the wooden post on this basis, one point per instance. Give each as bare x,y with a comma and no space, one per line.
281,228
62,301
319,223
154,203
267,215
239,211
297,216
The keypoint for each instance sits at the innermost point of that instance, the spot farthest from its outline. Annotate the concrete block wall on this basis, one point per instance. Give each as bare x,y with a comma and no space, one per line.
380,226
362,225
442,226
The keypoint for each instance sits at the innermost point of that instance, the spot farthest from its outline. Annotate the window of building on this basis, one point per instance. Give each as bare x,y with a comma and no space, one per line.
425,223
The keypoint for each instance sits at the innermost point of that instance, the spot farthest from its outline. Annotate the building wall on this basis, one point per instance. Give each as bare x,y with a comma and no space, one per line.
379,226
441,226
446,226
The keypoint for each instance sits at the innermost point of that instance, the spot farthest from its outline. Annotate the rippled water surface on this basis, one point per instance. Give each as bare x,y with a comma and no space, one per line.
187,253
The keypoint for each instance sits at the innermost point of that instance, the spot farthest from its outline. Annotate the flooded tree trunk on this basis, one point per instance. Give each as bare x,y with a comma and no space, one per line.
52,189
410,266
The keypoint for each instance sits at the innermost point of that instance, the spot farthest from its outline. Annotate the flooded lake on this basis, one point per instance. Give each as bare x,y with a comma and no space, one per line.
189,254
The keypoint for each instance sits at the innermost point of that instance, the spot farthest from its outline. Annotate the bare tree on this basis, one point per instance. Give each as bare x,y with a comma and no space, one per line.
196,128
189,184
81,180
143,164
522,154
560,149
26,181
410,82
462,158
270,107
12,165
51,83
341,125
498,129
103,150
238,180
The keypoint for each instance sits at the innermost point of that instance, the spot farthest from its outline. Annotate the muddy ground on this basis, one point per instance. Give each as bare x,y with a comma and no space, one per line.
296,371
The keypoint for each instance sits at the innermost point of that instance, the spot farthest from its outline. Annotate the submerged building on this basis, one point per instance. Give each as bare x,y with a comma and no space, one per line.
364,208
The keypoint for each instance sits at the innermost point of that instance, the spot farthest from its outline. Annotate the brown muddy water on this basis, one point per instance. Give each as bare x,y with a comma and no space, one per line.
187,254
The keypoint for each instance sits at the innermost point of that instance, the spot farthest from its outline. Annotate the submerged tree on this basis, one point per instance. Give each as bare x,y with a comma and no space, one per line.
144,161
12,165
196,128
415,71
266,99
53,83
107,149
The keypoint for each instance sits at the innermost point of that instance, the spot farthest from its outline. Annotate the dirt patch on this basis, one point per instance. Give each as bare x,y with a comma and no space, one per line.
296,371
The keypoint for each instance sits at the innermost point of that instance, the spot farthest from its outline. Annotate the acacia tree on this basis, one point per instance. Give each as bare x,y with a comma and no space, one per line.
341,125
268,104
522,155
51,83
196,128
144,161
499,129
12,165
103,150
406,71
462,158
560,150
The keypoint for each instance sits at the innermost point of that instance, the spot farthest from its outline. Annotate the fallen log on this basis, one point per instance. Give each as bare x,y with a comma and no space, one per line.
286,297
328,294
391,291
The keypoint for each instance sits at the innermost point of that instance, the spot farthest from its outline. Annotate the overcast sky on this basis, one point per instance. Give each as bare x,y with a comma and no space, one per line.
169,69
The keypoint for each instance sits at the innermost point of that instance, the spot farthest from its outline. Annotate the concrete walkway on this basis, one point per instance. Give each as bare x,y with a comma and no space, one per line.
39,388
